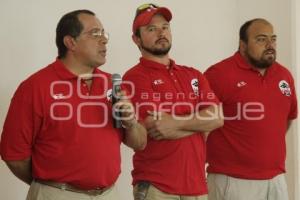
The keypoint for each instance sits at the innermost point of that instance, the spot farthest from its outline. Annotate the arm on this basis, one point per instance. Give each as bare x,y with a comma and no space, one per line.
136,134
206,120
21,169
164,126
289,125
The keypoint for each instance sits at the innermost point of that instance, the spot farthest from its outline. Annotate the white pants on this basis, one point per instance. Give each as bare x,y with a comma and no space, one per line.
38,191
223,187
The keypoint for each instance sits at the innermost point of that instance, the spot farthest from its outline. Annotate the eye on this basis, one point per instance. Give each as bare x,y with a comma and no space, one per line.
261,40
274,39
166,27
151,29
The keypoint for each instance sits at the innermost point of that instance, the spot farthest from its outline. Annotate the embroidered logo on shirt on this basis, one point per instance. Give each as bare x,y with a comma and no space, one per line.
158,82
58,96
285,88
195,86
241,84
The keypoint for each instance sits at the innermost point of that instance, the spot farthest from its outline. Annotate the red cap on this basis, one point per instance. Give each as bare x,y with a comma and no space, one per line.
144,18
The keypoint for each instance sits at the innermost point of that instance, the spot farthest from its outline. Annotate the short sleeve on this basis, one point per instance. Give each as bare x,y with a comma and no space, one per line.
294,105
19,126
206,93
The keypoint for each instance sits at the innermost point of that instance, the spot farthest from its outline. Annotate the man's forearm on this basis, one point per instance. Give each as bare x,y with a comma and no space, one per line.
21,169
205,120
136,137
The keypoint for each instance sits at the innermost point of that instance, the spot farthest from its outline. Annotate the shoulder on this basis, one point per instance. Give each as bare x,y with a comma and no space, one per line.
39,77
136,72
282,69
223,65
99,72
190,69
35,83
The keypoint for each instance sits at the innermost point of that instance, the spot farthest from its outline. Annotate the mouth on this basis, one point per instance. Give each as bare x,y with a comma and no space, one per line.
270,52
103,52
162,40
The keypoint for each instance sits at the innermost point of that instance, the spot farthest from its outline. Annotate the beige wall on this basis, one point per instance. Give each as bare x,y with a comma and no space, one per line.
295,19
203,33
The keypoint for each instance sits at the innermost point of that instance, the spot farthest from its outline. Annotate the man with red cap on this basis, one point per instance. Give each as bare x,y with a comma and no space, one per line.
177,107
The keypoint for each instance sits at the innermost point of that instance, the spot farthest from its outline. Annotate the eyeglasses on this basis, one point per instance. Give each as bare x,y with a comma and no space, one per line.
98,34
144,7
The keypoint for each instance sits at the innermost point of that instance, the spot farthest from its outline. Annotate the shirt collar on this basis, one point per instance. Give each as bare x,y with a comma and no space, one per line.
152,64
64,73
242,63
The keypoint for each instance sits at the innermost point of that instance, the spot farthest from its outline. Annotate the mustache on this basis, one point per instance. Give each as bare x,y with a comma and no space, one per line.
161,39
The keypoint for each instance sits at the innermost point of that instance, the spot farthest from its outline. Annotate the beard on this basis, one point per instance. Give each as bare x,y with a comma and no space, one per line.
265,61
157,51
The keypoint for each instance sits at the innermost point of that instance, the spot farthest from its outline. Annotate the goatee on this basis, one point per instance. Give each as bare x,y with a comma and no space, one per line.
155,51
264,62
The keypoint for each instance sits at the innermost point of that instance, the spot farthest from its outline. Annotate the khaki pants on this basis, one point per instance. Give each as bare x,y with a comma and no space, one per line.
155,194
222,187
38,191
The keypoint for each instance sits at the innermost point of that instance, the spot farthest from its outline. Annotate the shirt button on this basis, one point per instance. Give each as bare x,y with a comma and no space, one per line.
172,74
175,80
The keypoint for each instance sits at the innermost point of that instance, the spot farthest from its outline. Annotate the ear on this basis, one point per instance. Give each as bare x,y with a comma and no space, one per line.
70,42
136,40
242,46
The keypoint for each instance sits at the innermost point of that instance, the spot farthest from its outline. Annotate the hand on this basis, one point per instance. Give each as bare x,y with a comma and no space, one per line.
125,107
161,125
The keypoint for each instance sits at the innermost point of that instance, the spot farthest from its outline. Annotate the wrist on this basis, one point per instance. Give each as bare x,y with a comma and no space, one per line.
130,125
180,123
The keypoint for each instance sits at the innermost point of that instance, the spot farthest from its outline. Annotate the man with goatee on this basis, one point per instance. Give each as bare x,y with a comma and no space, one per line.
246,156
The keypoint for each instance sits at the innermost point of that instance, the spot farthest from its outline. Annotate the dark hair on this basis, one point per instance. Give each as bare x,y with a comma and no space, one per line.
69,24
244,28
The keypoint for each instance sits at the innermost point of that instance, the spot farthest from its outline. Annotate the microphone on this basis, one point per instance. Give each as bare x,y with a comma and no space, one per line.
116,88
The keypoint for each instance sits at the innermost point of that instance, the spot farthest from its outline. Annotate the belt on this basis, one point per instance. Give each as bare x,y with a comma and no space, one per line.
68,187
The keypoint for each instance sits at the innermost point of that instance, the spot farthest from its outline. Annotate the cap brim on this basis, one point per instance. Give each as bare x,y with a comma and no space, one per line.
144,18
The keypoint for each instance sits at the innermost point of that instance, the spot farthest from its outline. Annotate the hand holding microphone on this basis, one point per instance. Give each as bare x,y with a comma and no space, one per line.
123,110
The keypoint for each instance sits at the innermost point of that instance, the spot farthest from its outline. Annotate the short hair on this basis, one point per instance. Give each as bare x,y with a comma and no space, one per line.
244,28
69,24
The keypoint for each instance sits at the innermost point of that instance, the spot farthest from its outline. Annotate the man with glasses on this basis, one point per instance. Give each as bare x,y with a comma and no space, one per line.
177,107
58,135
246,156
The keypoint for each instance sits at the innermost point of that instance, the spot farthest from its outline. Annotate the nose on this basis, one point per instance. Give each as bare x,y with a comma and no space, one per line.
160,32
103,40
271,43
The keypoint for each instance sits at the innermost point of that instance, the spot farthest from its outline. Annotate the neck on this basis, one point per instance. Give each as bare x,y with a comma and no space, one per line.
261,71
76,67
165,60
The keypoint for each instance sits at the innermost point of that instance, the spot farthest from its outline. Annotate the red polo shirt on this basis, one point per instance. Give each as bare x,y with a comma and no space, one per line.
64,127
173,166
251,144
